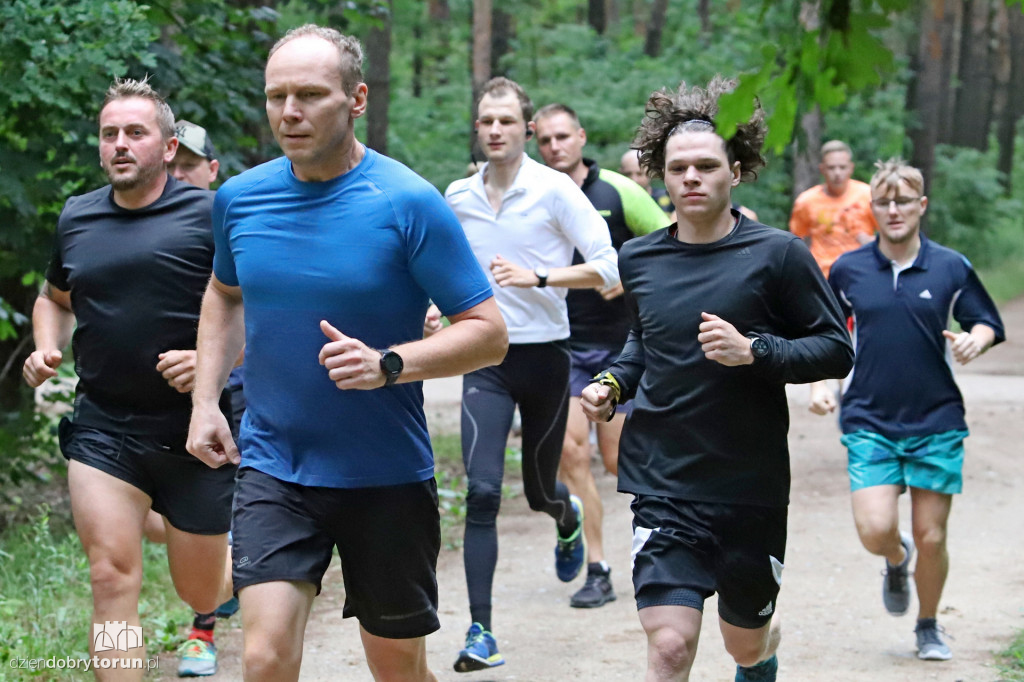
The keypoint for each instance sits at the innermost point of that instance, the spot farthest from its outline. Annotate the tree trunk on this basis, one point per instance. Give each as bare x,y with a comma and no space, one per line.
1013,110
438,10
378,82
807,152
652,45
596,16
611,13
482,22
972,113
928,96
639,9
704,12
502,31
807,143
417,60
951,35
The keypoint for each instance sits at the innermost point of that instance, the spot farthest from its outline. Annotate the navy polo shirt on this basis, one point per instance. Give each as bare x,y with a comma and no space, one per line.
902,382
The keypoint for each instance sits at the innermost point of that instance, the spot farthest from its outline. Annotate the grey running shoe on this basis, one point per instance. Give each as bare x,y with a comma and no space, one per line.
597,591
930,645
896,585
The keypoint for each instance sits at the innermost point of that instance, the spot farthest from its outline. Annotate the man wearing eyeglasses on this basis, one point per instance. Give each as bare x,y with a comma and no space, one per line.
901,413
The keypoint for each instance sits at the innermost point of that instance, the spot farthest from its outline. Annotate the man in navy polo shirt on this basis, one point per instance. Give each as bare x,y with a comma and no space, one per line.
901,413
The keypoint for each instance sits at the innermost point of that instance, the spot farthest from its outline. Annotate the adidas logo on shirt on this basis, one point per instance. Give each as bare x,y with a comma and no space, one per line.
925,294
744,253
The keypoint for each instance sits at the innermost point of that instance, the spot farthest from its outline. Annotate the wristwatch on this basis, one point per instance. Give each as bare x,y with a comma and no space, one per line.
759,346
391,366
542,276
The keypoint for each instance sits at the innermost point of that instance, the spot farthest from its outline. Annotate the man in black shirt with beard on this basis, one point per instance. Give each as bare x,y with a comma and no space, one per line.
129,265
728,311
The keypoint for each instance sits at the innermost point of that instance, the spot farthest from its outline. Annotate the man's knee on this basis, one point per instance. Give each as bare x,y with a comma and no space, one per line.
270,660
483,499
398,660
114,576
670,650
930,540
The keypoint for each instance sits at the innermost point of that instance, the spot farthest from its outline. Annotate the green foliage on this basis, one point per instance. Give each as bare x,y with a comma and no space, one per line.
819,65
1011,661
46,602
968,210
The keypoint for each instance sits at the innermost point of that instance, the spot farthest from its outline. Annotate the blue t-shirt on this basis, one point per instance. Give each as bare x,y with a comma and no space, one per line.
902,383
366,251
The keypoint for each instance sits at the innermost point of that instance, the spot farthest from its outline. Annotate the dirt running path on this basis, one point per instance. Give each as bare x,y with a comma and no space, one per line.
834,626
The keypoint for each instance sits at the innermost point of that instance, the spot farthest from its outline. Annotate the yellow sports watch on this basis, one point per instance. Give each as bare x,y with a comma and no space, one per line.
609,380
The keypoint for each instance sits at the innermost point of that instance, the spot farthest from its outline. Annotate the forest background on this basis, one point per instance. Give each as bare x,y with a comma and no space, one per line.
939,82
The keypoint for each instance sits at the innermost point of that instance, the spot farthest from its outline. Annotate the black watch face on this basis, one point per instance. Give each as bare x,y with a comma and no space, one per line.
759,347
392,362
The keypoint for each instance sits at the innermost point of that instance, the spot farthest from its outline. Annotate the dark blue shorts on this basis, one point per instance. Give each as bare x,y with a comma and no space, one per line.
387,537
585,365
194,498
683,552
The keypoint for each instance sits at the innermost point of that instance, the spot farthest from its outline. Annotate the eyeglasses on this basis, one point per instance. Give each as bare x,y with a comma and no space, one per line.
901,202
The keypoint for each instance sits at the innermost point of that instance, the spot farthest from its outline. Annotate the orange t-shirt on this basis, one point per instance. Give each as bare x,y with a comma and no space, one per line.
833,223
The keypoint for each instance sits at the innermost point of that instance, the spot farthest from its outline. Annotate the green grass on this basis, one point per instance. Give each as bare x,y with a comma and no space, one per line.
1010,663
1004,281
46,603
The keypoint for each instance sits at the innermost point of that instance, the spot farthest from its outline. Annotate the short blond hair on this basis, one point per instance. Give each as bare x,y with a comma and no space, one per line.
835,146
894,170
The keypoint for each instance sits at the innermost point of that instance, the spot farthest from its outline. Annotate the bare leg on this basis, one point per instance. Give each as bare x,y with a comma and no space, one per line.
930,514
672,635
574,470
750,647
109,514
876,516
397,660
274,619
197,564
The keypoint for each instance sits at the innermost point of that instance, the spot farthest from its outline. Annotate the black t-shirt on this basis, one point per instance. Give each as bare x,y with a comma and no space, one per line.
136,279
699,430
595,323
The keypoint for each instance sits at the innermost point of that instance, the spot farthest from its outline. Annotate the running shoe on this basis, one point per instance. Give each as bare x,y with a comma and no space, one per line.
197,658
597,591
481,651
896,585
571,552
765,671
227,609
930,644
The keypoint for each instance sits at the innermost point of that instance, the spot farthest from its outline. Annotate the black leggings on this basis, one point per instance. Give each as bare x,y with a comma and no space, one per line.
536,377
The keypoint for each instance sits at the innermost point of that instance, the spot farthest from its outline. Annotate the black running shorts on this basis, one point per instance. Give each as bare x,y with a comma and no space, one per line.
387,537
194,498
683,552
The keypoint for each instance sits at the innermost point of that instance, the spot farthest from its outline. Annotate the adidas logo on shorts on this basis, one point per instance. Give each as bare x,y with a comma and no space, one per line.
766,611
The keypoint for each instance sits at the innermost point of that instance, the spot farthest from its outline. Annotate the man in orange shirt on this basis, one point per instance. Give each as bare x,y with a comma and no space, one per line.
834,217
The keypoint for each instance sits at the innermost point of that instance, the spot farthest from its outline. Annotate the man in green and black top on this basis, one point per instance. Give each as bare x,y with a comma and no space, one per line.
727,312
599,324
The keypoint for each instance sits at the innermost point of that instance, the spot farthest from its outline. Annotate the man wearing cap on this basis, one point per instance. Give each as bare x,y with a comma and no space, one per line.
196,159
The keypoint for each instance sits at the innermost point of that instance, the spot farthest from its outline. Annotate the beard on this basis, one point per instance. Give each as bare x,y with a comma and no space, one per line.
142,175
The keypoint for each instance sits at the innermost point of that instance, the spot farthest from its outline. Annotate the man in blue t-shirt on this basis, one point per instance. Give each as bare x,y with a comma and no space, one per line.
901,413
337,251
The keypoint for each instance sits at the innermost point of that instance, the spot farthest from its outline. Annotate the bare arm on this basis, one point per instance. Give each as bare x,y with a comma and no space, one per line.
581,276
52,324
221,339
475,338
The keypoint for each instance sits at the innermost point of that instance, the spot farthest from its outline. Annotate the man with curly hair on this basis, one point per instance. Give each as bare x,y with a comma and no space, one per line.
727,312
